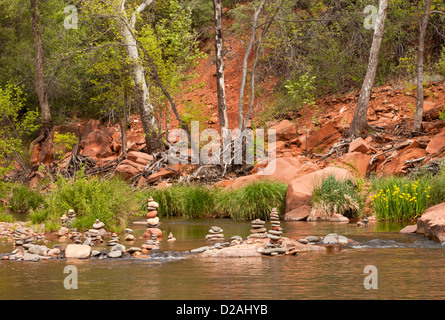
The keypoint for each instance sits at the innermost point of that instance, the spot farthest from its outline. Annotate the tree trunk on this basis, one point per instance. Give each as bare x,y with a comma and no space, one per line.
244,69
420,58
39,61
359,123
222,106
149,124
124,127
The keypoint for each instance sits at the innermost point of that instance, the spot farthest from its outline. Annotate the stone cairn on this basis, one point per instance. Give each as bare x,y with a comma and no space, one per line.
215,235
70,217
274,247
171,238
96,232
258,230
129,235
114,240
76,236
20,238
153,223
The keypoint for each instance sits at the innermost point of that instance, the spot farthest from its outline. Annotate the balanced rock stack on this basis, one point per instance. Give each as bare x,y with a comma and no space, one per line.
93,234
114,239
275,231
77,237
258,230
215,234
153,223
70,217
21,237
129,235
274,247
171,238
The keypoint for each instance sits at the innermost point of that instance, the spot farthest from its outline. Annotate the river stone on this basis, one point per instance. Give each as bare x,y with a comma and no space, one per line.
330,239
199,250
275,232
31,257
118,247
258,235
153,205
236,238
259,230
115,254
215,229
95,253
98,225
273,251
343,239
273,237
77,251
134,249
303,241
312,238
258,222
39,250
153,221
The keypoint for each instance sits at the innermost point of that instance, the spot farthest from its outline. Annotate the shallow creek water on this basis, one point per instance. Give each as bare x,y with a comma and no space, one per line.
409,267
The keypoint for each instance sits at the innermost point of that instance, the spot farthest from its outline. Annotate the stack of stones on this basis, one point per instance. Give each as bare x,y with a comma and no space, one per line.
151,244
258,230
153,223
97,231
70,218
114,240
20,238
93,234
171,238
274,247
275,231
77,237
215,235
129,235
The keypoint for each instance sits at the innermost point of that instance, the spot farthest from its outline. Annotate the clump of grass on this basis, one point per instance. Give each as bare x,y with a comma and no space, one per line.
195,201
400,198
4,217
334,196
23,200
192,201
111,201
253,201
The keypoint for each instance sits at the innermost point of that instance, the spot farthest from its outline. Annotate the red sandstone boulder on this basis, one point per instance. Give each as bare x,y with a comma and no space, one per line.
409,229
97,144
357,161
436,144
283,169
321,139
432,223
359,145
163,173
397,164
299,191
285,130
139,157
128,169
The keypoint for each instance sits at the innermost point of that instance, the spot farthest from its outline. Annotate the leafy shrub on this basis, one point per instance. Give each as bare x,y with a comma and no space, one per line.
110,201
334,196
23,200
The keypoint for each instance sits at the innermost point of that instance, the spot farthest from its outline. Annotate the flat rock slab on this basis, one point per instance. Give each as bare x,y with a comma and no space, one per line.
409,229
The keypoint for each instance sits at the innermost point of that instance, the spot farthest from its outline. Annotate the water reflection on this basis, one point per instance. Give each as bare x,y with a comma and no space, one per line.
409,267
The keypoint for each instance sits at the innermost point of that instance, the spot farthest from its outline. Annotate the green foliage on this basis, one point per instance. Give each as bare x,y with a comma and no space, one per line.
192,201
24,200
255,200
196,201
334,196
110,201
17,126
63,142
399,199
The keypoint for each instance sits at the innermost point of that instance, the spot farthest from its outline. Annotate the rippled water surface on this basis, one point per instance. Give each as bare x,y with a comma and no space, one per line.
409,267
